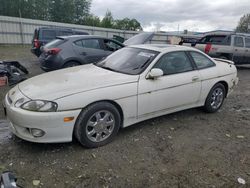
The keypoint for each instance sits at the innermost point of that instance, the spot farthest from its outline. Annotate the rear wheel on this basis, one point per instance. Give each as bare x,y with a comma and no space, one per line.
215,98
71,64
97,124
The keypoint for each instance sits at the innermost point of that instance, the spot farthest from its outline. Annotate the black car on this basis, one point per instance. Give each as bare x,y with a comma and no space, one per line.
44,35
71,51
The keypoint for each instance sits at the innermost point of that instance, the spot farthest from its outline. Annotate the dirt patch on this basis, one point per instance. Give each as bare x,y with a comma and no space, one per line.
184,149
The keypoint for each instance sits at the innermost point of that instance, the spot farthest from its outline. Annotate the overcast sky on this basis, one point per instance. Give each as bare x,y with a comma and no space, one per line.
166,15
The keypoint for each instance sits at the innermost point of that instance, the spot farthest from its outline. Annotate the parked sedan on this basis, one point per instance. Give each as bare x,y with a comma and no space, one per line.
92,102
72,51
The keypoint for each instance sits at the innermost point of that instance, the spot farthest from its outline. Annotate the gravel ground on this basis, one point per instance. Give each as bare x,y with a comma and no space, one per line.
184,149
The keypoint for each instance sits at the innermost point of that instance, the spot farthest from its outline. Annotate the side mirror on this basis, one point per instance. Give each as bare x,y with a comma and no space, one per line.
155,73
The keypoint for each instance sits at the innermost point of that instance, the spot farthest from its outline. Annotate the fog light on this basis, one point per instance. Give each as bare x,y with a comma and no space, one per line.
37,132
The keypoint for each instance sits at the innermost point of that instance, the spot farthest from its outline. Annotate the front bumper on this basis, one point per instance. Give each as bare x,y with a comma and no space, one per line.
52,123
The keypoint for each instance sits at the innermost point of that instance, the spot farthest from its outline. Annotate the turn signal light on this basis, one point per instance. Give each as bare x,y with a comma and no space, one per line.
68,119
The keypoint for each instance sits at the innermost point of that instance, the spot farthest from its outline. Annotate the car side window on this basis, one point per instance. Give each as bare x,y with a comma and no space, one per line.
201,60
88,43
174,62
247,42
226,40
111,46
238,42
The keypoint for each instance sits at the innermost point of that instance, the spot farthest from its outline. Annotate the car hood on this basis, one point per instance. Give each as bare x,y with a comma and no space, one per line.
61,83
140,38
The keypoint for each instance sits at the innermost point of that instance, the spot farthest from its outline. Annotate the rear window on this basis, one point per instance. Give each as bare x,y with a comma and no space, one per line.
54,43
48,34
215,39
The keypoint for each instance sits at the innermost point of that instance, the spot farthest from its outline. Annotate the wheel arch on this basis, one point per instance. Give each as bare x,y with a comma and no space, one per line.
109,101
228,56
225,84
70,60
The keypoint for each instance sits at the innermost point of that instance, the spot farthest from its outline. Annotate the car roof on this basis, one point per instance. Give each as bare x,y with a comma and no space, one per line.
76,37
54,28
81,36
164,47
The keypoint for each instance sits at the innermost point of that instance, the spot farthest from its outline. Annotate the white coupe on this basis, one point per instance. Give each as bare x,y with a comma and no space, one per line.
92,102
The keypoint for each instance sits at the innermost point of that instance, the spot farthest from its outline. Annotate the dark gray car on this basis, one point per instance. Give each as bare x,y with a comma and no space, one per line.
44,35
71,51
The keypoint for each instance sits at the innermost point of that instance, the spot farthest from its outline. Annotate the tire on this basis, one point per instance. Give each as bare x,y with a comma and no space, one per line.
101,120
215,98
71,64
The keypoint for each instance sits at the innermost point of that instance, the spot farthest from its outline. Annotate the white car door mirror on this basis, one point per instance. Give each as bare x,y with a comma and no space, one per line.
155,73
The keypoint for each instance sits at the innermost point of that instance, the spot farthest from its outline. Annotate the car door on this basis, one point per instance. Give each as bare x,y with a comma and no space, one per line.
89,50
247,50
239,50
179,86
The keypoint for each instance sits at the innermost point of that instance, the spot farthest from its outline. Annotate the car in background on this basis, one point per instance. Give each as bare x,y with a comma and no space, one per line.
135,83
69,51
72,51
235,47
43,35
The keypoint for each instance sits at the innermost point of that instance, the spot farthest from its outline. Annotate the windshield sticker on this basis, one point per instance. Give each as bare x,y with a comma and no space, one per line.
144,54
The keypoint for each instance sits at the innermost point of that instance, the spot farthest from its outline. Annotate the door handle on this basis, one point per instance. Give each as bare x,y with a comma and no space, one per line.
236,50
83,53
195,78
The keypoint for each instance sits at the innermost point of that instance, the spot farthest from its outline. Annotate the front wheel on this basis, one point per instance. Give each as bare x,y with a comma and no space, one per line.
97,124
215,98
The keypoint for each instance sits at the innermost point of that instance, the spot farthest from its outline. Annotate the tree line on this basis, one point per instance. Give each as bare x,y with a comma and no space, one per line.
66,11
244,24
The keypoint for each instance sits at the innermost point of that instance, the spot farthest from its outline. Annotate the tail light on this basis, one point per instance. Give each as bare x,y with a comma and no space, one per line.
36,43
53,51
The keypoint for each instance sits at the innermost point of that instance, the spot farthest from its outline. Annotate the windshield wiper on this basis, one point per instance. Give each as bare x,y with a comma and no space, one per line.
143,65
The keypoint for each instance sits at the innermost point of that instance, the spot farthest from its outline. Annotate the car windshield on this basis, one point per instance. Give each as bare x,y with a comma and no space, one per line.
128,60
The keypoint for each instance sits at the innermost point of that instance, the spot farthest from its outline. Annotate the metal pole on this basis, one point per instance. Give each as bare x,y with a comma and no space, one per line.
21,27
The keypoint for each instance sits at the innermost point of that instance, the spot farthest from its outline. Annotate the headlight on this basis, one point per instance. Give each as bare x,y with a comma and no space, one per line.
40,106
